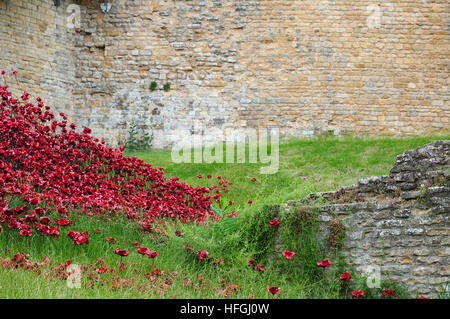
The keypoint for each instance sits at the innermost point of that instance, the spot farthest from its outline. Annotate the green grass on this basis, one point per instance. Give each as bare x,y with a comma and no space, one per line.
335,162
172,258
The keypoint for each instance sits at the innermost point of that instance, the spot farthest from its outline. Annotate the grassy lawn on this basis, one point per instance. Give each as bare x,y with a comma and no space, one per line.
333,162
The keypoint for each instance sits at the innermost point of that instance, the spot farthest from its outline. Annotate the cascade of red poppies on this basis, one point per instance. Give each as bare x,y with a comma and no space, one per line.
43,159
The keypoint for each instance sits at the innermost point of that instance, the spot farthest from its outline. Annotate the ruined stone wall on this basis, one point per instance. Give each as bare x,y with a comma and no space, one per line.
36,41
399,222
304,66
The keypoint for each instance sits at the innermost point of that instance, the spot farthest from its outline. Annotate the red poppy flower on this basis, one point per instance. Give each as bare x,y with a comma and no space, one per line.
358,294
120,252
157,272
253,179
63,222
3,72
25,232
199,176
45,220
81,239
324,263
209,176
273,290
29,218
66,265
288,254
259,267
203,254
62,210
250,202
389,292
274,223
152,254
101,270
34,201
72,234
136,244
39,210
345,277
251,261
13,224
421,297
143,251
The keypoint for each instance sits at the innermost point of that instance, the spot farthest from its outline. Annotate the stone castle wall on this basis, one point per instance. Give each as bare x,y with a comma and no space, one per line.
303,66
35,40
399,222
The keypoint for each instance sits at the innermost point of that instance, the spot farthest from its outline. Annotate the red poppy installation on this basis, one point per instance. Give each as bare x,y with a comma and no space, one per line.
46,159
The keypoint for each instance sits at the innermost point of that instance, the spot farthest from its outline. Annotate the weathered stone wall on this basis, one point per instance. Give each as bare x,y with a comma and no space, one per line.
399,222
304,66
35,40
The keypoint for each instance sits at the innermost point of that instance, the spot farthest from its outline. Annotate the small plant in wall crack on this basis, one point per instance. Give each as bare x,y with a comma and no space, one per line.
167,87
138,139
154,86
336,234
424,195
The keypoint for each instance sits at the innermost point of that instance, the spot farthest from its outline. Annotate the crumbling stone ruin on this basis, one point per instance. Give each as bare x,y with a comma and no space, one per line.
400,222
